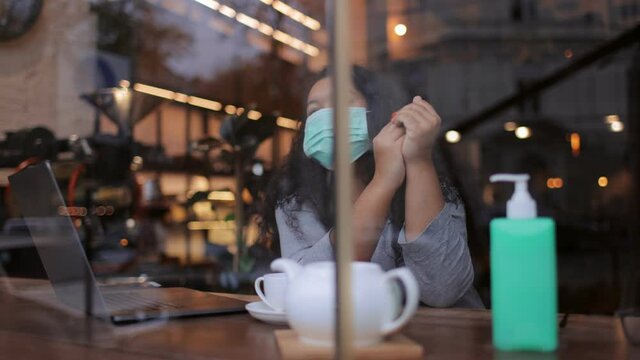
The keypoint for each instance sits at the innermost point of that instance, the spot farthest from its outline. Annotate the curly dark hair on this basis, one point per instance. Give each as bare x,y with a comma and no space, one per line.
303,180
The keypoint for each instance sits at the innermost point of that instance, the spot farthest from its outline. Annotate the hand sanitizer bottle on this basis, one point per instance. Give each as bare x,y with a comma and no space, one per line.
523,274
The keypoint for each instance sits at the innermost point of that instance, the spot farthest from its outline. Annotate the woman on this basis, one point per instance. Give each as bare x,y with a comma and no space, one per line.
401,216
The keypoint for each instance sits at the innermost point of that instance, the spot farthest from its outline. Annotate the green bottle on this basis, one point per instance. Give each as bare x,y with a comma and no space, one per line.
523,274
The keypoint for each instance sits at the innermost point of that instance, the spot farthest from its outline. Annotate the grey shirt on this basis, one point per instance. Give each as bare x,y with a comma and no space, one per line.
439,258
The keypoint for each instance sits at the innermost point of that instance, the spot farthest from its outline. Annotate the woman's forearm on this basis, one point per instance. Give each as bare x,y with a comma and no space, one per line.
423,199
370,213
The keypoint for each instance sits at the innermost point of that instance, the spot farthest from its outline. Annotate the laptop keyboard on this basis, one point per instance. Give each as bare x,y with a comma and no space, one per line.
135,301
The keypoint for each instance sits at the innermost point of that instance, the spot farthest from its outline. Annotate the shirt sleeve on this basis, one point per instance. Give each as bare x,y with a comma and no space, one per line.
306,240
439,258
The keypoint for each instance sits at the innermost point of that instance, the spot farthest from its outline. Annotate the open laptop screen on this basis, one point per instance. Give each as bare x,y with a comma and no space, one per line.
56,238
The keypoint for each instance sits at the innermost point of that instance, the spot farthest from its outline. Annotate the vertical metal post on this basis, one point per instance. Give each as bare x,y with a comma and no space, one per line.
188,165
341,85
158,139
239,207
159,128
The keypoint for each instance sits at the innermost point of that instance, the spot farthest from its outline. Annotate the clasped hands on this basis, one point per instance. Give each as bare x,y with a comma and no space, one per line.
406,141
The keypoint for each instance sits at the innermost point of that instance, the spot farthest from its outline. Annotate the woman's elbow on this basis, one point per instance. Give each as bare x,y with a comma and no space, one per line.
448,294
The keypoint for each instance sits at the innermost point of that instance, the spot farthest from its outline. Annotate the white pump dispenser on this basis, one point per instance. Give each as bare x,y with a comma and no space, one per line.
521,205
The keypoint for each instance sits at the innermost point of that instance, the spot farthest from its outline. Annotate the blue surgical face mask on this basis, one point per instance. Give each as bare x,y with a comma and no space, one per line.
319,135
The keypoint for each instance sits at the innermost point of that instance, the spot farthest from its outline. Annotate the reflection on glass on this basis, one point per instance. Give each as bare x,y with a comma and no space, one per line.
191,108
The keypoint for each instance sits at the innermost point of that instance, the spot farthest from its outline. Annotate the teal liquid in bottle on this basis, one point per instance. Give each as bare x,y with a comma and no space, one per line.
523,275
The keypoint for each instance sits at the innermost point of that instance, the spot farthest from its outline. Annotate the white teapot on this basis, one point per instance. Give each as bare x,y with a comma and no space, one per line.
310,300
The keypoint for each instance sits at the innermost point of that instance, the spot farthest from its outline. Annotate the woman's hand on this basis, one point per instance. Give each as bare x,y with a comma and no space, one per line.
387,151
422,125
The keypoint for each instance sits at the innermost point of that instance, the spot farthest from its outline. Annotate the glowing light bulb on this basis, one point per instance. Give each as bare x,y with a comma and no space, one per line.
400,29
523,132
452,136
603,181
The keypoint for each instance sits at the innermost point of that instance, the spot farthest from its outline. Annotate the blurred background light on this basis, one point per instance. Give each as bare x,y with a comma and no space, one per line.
453,136
523,132
400,29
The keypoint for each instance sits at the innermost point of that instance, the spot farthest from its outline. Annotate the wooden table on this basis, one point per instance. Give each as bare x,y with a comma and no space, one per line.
32,331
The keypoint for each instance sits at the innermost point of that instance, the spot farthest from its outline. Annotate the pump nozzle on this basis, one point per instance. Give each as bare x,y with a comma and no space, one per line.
521,205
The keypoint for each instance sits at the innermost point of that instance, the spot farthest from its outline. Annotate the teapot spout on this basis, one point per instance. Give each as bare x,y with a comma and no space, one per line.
287,266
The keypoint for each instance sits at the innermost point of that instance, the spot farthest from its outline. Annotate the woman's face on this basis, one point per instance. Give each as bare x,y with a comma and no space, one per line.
320,96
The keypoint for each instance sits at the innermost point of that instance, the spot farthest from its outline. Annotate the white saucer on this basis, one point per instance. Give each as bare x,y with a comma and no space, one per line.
261,311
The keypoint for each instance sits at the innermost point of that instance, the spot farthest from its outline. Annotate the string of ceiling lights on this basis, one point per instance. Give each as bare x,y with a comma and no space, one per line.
205,103
294,14
268,30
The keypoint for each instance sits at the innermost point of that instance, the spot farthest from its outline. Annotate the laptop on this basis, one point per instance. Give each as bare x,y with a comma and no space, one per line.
65,262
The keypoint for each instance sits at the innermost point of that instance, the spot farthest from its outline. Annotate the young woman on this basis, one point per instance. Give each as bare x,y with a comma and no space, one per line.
402,215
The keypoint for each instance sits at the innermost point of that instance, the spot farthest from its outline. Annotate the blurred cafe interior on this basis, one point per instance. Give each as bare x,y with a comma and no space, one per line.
164,122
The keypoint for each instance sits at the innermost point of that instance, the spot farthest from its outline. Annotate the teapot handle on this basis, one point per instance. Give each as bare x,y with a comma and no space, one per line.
412,291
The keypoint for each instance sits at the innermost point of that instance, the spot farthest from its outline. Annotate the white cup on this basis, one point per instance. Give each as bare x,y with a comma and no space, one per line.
275,286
